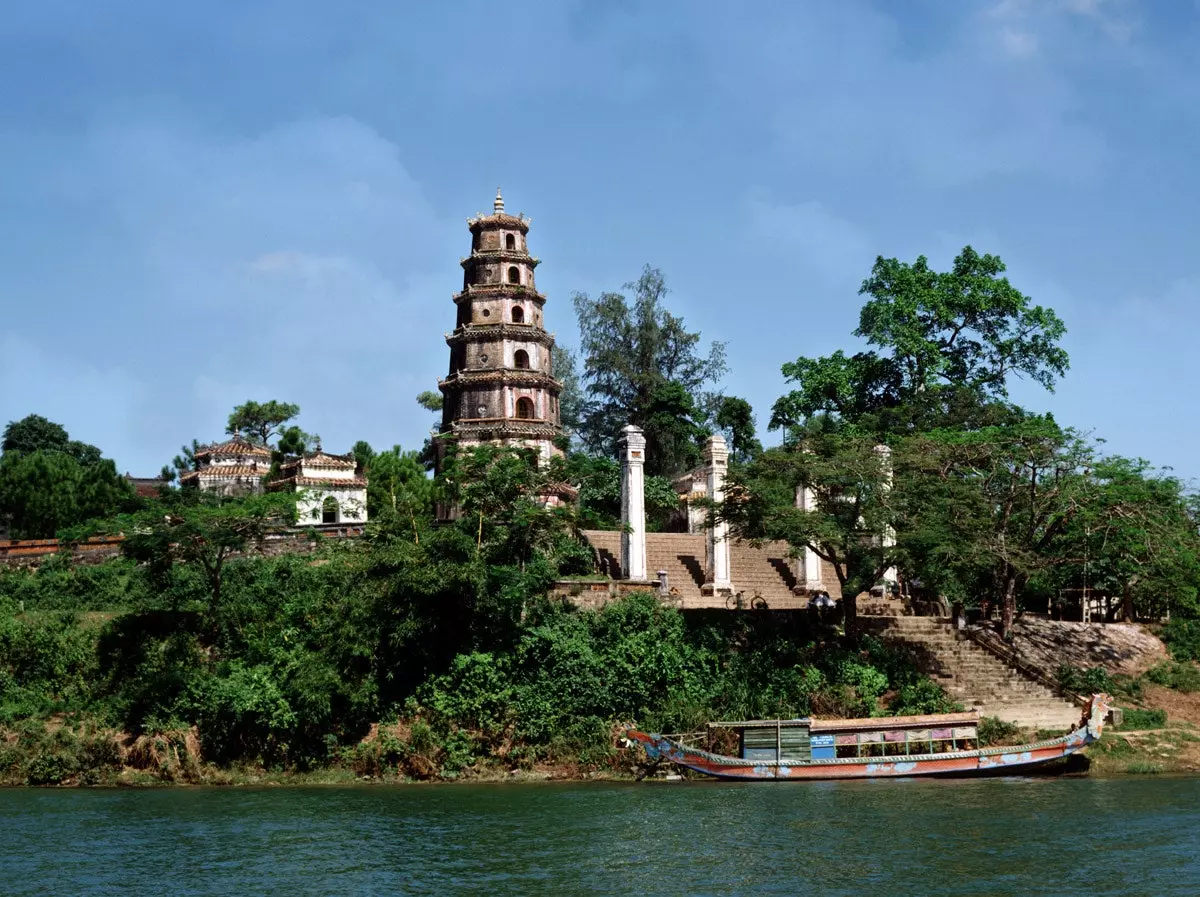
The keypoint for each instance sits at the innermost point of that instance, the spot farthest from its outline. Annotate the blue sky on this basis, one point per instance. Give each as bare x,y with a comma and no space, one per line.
204,203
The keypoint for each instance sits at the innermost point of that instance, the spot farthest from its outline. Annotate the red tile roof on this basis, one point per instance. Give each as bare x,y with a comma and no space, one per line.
322,460
235,446
226,470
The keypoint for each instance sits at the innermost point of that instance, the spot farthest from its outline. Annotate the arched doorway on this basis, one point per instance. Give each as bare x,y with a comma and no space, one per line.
525,408
514,274
510,242
518,315
329,510
521,360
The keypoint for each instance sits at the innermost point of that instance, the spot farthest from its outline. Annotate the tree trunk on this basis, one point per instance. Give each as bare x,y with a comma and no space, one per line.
1010,604
1127,603
850,610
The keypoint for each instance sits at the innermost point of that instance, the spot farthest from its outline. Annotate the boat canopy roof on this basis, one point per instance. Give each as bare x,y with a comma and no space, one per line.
875,723
970,718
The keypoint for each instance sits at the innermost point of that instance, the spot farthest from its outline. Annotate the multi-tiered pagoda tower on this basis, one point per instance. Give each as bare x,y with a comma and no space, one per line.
501,385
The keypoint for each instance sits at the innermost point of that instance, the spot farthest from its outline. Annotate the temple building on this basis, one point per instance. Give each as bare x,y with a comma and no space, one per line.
330,489
500,387
236,467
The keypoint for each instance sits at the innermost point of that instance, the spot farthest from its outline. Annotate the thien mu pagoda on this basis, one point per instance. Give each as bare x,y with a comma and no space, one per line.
500,387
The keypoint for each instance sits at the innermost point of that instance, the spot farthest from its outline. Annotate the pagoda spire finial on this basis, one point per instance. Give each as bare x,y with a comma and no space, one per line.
498,205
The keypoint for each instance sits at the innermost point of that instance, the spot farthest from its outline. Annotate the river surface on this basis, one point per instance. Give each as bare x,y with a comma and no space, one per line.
907,837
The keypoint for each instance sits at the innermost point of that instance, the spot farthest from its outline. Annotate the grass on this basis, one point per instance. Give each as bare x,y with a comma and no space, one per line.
1143,768
1141,718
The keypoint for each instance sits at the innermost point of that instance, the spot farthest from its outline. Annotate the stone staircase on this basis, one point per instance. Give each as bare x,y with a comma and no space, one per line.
974,676
765,572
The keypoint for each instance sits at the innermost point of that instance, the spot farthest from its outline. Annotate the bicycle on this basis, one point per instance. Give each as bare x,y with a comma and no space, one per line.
737,601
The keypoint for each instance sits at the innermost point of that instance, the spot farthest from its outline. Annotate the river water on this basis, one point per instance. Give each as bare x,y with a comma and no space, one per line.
907,837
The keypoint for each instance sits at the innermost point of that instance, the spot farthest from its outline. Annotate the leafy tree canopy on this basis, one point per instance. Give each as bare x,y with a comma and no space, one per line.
260,421
430,400
932,334
643,366
735,418
49,481
34,433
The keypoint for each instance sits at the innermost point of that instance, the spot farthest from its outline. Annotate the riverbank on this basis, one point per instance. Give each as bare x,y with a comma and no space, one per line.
93,757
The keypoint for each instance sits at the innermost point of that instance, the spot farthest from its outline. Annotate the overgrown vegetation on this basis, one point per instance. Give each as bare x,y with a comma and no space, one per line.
304,654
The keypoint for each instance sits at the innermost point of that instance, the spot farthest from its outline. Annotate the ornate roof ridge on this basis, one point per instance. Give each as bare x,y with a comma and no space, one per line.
238,445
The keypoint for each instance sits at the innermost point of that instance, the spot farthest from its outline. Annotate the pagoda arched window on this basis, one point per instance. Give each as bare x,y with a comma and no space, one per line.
518,315
525,409
514,274
510,242
521,360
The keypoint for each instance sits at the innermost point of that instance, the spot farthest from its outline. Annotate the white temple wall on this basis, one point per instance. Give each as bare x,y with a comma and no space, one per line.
352,505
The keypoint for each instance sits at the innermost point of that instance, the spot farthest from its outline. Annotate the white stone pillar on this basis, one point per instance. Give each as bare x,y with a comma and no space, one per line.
808,564
717,573
888,536
633,503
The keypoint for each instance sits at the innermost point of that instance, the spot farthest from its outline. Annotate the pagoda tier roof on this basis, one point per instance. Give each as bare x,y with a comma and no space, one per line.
321,460
515,290
488,428
499,220
500,255
223,471
235,446
464,379
475,333
302,482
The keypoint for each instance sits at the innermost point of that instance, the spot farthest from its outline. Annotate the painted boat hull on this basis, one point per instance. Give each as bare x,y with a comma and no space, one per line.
982,761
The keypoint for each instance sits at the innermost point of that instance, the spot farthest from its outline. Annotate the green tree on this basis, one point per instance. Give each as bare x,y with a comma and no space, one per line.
854,502
397,484
202,531
637,360
49,482
570,400
933,335
430,400
260,421
182,463
1134,537
995,501
735,418
34,433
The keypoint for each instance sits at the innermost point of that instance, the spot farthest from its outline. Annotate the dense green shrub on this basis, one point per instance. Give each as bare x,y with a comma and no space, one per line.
995,731
1085,681
1182,637
59,585
1138,718
1181,676
921,697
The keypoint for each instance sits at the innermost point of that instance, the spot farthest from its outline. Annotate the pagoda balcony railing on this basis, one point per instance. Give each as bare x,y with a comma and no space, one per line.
521,376
500,255
500,289
475,332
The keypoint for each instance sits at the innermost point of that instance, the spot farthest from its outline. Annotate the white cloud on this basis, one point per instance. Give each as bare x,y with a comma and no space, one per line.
300,263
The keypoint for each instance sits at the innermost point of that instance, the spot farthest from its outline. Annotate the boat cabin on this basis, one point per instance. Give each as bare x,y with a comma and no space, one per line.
802,740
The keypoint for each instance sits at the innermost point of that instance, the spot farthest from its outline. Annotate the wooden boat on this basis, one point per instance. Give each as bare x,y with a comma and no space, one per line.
804,749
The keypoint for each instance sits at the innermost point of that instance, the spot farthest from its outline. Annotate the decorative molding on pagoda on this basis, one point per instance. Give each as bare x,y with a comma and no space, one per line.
503,376
489,290
500,255
481,221
478,333
503,428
